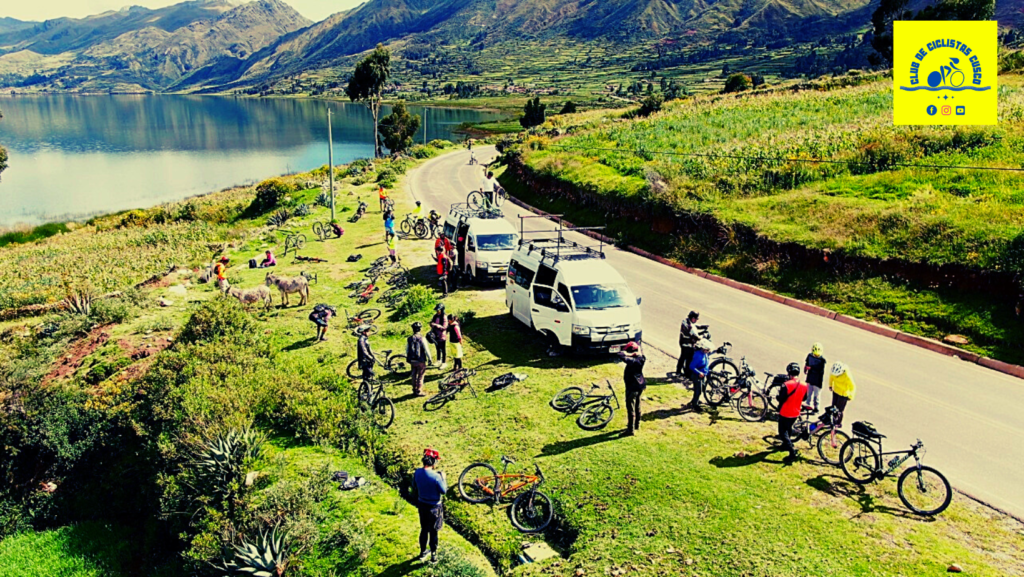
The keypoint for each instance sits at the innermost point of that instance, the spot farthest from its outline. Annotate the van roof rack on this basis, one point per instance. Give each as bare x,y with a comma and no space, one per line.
465,212
558,247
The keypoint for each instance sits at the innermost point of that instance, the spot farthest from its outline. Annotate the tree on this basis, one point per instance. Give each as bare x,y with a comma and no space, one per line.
737,83
367,85
889,11
398,128
650,104
533,113
569,108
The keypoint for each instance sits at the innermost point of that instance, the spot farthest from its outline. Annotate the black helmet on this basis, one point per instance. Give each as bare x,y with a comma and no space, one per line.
792,369
417,327
439,307
418,203
693,315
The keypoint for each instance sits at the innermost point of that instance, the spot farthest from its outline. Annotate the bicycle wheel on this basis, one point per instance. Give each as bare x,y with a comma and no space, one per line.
300,241
383,412
924,490
363,394
399,366
829,445
440,399
532,512
725,369
567,398
318,230
353,371
478,483
595,417
716,391
771,394
499,196
405,227
752,406
475,200
420,229
859,461
370,330
369,315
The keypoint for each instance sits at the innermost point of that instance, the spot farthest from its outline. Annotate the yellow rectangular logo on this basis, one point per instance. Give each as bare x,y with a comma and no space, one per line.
945,72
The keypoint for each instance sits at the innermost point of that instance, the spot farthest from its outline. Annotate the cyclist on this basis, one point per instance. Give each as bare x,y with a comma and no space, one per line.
430,487
472,157
383,195
392,240
791,398
320,316
439,335
635,384
389,222
843,388
417,213
487,188
455,338
688,338
364,354
814,368
418,354
442,244
699,371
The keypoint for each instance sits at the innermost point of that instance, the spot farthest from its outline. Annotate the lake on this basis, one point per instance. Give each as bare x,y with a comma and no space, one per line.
76,156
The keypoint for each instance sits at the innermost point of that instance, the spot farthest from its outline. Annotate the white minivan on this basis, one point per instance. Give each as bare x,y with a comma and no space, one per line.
572,296
484,241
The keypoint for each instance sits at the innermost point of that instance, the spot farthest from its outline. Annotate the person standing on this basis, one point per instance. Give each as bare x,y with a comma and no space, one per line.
418,354
364,354
814,368
392,247
688,338
455,338
444,266
791,399
699,367
635,383
843,388
487,188
221,270
439,336
430,488
383,195
389,223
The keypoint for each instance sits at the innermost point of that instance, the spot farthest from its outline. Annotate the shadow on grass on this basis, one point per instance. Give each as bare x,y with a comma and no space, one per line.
840,487
744,461
518,346
299,345
565,446
399,569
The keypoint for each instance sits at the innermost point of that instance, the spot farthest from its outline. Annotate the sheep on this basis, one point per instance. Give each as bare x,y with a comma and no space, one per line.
251,296
288,286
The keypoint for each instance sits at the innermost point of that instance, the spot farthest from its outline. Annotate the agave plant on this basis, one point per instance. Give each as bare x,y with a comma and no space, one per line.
266,557
279,218
79,301
302,210
221,459
323,199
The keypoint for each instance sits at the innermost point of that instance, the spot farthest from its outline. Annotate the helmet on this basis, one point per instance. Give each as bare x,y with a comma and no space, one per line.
816,349
362,329
439,307
706,345
792,369
418,203
428,452
417,326
224,258
631,347
693,315
838,368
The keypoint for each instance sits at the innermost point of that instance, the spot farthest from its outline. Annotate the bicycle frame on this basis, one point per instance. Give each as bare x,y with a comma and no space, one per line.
521,480
888,466
589,399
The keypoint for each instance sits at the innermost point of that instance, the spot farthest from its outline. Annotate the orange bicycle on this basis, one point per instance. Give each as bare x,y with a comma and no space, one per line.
531,511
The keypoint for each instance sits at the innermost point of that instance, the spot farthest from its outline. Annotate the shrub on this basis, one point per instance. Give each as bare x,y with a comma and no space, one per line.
387,178
737,83
878,154
135,218
533,113
417,301
649,105
268,194
107,311
569,108
217,319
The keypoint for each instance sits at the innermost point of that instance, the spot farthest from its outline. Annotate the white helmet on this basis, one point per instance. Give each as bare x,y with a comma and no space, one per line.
706,345
838,368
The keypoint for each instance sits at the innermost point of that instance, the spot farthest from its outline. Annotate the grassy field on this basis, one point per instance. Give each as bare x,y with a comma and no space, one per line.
691,495
87,550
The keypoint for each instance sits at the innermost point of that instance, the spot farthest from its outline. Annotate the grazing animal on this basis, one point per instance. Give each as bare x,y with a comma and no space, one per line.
288,286
249,297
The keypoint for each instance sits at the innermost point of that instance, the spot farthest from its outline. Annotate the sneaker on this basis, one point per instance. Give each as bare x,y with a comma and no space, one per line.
442,366
423,557
433,558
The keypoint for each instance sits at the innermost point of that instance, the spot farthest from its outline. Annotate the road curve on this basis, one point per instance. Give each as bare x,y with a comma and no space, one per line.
970,418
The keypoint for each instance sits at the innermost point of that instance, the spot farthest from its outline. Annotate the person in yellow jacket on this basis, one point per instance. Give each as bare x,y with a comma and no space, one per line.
221,270
843,388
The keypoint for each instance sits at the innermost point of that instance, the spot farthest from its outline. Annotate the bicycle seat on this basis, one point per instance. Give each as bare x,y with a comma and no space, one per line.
386,352
507,460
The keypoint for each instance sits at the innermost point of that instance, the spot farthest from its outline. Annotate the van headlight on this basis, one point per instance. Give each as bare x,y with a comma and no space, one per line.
481,265
580,330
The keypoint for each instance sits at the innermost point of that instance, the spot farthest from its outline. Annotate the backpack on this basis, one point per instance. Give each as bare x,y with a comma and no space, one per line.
780,381
253,263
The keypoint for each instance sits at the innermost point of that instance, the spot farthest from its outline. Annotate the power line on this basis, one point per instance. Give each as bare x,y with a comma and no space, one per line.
640,152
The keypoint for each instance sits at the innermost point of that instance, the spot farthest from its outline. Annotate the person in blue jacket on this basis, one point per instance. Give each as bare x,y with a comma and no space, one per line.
430,488
699,371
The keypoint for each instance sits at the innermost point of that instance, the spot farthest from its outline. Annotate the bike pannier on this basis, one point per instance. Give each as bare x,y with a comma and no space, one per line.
864,429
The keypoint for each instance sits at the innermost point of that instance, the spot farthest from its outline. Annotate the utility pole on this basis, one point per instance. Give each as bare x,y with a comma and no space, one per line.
425,109
330,158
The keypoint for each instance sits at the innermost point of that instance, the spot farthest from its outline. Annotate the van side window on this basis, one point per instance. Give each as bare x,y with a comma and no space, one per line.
546,275
542,296
449,230
470,245
564,292
521,275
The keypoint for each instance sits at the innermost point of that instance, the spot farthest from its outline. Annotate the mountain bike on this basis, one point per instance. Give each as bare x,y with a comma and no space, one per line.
395,365
773,383
324,231
311,277
830,438
361,319
532,511
451,385
750,403
360,211
479,200
413,225
364,295
922,489
392,297
294,243
597,409
723,366
372,397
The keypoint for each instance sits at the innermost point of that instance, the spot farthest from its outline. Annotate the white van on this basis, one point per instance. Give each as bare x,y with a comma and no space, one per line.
572,296
485,241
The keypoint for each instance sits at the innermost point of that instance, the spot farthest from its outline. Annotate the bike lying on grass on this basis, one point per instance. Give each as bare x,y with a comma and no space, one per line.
450,386
532,511
922,489
598,411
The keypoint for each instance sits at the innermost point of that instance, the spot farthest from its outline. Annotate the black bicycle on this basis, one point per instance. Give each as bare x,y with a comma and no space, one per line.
722,365
922,489
373,398
455,382
395,365
479,200
531,512
324,231
294,243
741,392
597,410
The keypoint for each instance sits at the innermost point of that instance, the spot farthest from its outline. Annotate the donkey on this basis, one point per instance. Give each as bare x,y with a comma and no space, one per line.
288,286
248,297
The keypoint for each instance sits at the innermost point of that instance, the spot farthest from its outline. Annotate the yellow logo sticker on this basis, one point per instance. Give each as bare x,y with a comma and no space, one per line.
944,72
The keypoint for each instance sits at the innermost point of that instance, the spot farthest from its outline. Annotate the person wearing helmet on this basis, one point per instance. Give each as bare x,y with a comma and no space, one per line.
843,388
221,270
430,486
699,371
418,354
635,383
688,338
439,335
364,354
791,398
814,368
417,213
320,317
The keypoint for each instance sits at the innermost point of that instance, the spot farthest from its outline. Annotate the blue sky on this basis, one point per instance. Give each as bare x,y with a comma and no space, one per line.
46,9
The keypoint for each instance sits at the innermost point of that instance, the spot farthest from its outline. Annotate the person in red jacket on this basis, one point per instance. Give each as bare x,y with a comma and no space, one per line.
444,266
791,399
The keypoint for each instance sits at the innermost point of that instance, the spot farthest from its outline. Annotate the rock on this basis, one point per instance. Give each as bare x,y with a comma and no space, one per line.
178,289
739,454
688,561
580,573
954,568
670,550
251,477
165,303
957,340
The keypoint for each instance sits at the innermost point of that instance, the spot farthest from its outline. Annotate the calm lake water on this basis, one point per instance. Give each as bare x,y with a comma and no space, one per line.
76,156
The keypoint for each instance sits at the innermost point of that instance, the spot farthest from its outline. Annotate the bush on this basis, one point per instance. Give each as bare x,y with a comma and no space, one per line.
569,108
649,105
737,83
268,194
417,301
217,319
387,178
533,113
108,311
879,154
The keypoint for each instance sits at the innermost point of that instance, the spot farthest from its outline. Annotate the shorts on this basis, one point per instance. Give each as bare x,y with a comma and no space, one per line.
389,229
458,350
391,251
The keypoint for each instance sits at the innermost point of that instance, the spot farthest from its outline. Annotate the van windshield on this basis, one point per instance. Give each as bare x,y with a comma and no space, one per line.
602,296
495,241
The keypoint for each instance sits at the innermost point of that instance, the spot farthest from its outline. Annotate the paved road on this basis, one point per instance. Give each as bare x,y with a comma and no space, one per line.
970,418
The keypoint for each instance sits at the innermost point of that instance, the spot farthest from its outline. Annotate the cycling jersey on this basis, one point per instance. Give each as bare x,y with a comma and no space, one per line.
795,393
843,385
220,270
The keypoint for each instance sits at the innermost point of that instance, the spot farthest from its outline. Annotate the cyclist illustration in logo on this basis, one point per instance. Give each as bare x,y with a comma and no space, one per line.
947,75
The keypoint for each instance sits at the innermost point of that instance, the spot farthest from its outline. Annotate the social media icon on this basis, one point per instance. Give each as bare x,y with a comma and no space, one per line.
961,110
947,110
932,110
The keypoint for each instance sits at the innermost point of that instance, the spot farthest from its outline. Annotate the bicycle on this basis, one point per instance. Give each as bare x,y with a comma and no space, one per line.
324,231
361,318
723,366
360,211
830,438
450,386
374,398
395,365
294,243
598,412
532,511
478,200
364,295
862,463
750,403
393,297
311,277
413,225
